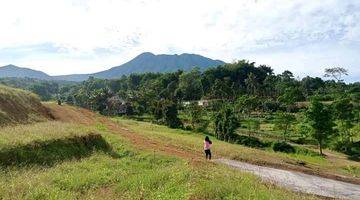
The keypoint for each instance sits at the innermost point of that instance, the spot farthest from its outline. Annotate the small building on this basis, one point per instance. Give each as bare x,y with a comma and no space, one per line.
203,103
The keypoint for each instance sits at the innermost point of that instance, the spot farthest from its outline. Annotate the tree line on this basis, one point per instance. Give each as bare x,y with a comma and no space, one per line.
323,109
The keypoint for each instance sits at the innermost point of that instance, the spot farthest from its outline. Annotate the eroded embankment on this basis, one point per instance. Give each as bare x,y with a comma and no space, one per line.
20,107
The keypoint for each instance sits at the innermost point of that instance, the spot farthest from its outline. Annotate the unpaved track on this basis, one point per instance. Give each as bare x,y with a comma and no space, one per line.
298,181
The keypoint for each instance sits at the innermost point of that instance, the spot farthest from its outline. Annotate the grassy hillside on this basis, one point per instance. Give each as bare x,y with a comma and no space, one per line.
101,160
19,106
335,165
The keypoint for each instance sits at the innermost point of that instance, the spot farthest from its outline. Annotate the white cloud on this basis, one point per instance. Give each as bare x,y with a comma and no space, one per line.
90,35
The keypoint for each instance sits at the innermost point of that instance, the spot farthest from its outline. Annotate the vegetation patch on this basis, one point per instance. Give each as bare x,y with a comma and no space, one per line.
250,141
283,147
49,152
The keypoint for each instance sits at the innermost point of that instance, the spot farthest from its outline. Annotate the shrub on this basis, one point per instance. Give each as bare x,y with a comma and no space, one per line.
188,128
304,151
350,148
283,147
202,126
249,141
270,106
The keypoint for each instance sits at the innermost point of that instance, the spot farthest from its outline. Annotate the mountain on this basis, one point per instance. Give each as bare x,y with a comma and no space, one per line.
19,72
145,62
148,62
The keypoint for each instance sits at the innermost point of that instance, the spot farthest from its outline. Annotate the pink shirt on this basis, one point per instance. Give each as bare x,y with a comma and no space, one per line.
207,145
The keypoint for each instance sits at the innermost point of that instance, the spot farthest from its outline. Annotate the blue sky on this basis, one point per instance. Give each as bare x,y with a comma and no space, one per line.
84,36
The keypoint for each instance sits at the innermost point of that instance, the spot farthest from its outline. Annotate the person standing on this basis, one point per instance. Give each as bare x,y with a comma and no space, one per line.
207,146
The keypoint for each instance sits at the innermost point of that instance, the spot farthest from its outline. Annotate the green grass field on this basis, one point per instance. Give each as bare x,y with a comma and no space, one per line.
120,172
334,164
82,155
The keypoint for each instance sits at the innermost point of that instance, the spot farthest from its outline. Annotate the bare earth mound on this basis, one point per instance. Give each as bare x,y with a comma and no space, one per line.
19,107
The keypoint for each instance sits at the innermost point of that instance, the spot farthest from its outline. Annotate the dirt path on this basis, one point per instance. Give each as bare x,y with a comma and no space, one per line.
82,116
298,181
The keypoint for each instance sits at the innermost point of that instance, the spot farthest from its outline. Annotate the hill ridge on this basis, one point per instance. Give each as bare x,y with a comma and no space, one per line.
144,62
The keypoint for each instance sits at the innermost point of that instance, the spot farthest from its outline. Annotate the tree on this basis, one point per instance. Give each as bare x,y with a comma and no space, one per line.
251,84
98,99
190,85
171,115
283,121
289,97
253,125
157,110
226,123
246,104
343,112
320,119
45,90
221,90
303,130
195,113
166,112
134,81
311,85
336,73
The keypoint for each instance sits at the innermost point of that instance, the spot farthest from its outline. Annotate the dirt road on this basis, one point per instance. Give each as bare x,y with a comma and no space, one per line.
298,181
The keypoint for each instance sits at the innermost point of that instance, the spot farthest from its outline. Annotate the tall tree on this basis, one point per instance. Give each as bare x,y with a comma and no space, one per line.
165,112
336,73
284,121
226,123
252,84
247,104
221,90
171,115
320,119
195,113
343,111
190,85
311,85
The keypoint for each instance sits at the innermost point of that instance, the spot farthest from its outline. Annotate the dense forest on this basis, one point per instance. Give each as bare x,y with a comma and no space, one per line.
239,103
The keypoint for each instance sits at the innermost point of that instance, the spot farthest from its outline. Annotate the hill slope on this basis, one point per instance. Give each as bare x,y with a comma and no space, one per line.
94,159
19,72
19,106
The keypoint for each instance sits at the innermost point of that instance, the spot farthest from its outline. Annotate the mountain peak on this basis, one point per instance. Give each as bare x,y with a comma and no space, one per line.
149,62
10,66
145,55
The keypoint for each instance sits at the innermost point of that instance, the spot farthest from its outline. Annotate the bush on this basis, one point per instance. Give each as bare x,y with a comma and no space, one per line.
270,106
307,152
188,128
283,147
249,141
350,148
202,127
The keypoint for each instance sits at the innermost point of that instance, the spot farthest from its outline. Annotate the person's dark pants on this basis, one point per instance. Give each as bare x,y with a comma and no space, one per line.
208,154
